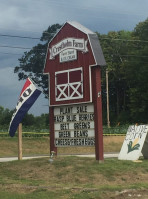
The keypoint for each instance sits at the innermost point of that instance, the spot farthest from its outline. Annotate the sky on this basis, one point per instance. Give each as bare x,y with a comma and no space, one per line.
30,18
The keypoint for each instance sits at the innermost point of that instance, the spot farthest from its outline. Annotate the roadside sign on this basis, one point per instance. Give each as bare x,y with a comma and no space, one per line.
73,63
134,142
74,125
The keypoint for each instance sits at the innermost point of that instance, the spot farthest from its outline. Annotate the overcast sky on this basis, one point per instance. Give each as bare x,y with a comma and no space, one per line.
31,17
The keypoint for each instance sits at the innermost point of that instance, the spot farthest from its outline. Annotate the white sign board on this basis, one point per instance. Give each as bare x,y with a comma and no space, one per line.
74,125
68,43
133,143
68,55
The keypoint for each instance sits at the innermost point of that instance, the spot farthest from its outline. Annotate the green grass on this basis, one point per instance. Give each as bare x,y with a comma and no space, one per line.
71,177
31,146
40,145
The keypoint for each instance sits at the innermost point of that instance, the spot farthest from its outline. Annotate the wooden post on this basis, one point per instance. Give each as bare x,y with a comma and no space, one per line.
107,96
51,122
97,100
20,142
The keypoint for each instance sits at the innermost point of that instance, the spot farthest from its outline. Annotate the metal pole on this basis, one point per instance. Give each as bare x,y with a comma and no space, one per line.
107,96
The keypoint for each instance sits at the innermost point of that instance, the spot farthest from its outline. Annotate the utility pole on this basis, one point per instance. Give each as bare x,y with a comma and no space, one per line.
107,96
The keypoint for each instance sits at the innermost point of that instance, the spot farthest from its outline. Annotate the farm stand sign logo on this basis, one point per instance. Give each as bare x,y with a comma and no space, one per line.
134,142
133,145
68,47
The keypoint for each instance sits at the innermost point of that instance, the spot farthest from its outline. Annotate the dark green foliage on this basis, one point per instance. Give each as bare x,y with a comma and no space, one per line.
126,55
30,122
32,62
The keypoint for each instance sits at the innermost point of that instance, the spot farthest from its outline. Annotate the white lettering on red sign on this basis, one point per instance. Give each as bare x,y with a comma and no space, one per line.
69,43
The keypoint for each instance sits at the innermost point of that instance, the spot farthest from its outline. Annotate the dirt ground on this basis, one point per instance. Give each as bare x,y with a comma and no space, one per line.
132,193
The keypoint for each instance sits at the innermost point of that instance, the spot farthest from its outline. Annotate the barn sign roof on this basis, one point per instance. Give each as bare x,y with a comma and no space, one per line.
70,55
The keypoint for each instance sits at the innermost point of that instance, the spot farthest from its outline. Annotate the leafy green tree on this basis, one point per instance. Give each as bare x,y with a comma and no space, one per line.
115,48
126,54
29,120
5,117
42,121
32,62
137,73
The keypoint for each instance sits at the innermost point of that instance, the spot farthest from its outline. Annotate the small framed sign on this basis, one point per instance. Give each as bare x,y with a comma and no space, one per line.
68,55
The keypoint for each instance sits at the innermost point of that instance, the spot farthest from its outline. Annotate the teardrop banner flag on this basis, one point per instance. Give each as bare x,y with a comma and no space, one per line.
28,96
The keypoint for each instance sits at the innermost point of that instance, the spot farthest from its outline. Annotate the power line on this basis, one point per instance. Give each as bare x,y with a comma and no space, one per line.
129,40
126,55
110,54
37,38
7,53
18,36
28,48
19,47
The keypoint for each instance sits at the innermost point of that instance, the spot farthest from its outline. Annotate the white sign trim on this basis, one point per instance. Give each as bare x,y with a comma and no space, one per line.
68,43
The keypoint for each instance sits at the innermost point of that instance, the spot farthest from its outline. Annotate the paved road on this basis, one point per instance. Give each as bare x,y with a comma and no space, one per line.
8,159
106,155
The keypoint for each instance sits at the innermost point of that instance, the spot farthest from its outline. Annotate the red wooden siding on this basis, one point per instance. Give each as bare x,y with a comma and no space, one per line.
84,60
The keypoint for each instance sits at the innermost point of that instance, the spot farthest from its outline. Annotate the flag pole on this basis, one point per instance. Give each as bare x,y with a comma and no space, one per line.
20,141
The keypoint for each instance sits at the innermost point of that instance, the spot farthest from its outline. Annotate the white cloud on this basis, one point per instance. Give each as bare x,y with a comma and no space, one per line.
37,15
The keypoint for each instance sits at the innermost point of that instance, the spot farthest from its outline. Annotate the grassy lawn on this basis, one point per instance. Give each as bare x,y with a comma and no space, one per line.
31,146
73,177
40,145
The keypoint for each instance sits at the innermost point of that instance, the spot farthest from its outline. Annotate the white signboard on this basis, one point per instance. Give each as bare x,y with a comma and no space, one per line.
133,143
74,125
68,55
68,43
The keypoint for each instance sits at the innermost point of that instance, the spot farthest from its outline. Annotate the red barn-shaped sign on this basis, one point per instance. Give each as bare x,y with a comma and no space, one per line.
73,61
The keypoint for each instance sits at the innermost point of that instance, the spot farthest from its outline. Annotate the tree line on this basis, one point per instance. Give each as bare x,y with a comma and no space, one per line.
30,121
126,55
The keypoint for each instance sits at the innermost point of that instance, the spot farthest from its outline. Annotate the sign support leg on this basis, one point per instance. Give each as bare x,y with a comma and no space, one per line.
96,94
51,122
20,142
107,93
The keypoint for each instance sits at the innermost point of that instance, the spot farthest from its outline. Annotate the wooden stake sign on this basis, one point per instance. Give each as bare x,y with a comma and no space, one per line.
73,64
